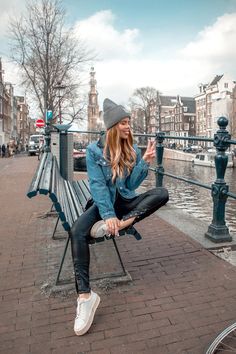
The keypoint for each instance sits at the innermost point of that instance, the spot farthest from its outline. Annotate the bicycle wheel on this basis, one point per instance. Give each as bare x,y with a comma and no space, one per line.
225,342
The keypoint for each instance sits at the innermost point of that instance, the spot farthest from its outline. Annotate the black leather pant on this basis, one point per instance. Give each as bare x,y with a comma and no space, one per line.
139,207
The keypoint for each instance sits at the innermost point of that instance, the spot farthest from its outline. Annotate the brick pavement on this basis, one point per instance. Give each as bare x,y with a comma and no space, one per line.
181,295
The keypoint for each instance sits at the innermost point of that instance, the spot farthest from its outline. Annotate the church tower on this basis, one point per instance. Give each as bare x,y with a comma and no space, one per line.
1,71
93,107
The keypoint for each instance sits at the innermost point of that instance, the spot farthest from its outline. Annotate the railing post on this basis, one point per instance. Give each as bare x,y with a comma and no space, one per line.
217,230
159,156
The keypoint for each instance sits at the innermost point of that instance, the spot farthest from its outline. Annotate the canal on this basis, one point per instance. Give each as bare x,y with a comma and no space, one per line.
192,199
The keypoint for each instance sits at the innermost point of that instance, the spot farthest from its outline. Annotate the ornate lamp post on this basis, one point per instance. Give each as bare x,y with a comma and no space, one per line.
60,88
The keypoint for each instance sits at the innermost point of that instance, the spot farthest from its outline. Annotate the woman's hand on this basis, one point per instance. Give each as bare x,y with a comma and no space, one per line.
150,152
113,225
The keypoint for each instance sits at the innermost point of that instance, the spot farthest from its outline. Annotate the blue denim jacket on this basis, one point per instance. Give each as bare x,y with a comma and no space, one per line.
100,179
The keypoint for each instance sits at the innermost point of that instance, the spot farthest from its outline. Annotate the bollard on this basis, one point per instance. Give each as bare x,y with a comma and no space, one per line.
47,147
217,230
159,156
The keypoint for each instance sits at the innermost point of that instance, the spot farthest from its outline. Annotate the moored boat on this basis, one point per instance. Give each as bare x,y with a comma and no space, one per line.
208,159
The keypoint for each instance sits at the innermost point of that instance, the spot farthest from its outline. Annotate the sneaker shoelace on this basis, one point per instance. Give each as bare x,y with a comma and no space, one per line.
80,310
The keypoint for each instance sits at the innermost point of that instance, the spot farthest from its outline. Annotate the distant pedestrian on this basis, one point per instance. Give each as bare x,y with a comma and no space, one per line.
115,169
0,150
8,151
3,150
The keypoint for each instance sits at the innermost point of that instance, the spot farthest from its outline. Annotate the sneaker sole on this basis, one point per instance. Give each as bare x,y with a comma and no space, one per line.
98,231
90,321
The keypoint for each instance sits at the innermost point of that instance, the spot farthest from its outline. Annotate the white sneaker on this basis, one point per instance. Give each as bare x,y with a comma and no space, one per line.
99,229
85,312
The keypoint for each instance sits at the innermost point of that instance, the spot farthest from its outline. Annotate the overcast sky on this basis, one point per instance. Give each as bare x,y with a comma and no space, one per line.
170,45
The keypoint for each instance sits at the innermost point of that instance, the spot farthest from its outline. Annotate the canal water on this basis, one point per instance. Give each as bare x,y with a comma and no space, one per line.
192,199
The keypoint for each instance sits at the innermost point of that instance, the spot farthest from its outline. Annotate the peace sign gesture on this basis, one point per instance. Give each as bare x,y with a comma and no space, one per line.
150,152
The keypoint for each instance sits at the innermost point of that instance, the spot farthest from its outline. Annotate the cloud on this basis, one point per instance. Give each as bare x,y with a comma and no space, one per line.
216,42
118,79
9,8
12,74
99,32
213,51
124,67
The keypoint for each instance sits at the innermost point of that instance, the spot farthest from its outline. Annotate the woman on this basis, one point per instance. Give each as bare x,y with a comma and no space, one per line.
115,169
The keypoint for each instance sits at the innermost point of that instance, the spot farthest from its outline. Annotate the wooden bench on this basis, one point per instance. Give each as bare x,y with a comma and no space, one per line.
69,199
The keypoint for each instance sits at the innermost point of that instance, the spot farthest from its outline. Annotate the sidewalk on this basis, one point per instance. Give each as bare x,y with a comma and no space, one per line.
180,297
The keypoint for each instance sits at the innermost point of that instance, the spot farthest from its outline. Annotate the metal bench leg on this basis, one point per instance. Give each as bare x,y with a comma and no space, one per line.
119,256
55,228
52,208
63,259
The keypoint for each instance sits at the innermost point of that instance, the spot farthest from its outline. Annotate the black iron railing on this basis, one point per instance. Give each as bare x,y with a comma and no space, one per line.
217,230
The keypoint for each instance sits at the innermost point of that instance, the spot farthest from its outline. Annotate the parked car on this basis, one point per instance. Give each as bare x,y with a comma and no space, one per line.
79,157
187,149
193,149
36,142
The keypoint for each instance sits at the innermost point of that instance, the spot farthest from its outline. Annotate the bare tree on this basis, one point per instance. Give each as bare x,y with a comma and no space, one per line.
75,107
140,102
48,54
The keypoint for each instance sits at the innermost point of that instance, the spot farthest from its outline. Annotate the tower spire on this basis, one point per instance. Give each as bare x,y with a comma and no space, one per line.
93,107
1,71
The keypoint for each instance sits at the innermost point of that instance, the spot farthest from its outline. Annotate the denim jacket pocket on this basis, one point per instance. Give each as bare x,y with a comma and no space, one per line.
106,167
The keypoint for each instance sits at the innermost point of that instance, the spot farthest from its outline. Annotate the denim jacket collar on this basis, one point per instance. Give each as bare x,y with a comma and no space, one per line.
101,141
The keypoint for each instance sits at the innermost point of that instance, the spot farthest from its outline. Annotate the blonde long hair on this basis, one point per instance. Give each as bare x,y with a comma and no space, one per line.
119,152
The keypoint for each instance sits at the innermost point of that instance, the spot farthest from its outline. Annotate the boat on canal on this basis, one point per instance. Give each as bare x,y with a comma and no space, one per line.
208,159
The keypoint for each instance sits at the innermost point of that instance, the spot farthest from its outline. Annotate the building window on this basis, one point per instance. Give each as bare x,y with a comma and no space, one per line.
226,85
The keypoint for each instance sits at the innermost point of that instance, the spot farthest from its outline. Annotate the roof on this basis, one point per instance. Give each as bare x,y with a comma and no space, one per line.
190,103
216,79
172,100
168,100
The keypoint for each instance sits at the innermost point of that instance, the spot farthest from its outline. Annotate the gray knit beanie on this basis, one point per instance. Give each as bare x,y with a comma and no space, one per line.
113,113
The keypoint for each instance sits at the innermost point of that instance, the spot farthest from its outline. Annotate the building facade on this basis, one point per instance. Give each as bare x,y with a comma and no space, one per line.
174,115
14,115
214,100
2,99
177,117
23,121
233,121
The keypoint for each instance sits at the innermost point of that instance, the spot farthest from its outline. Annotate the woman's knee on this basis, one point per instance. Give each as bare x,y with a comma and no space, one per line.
165,194
161,193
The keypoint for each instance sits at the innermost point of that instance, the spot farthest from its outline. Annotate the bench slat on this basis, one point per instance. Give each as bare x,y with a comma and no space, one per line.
70,205
76,203
56,192
33,189
45,182
60,198
84,185
80,195
53,190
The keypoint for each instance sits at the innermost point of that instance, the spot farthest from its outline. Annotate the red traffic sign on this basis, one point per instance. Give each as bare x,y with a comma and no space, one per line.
40,123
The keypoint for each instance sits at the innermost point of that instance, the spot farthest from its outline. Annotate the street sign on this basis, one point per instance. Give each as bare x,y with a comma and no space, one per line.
48,115
40,123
